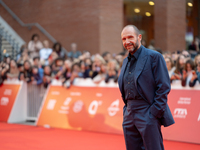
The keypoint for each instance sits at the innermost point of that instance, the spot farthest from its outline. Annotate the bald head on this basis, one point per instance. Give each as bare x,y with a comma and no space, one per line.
134,28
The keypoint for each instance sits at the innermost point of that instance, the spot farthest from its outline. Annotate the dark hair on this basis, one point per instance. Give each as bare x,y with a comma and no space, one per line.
55,44
191,62
105,53
29,64
171,61
33,36
75,64
36,57
178,67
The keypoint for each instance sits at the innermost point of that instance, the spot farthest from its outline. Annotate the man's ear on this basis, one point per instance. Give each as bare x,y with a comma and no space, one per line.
140,37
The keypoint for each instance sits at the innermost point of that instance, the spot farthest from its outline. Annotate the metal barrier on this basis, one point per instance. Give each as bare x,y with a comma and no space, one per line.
35,94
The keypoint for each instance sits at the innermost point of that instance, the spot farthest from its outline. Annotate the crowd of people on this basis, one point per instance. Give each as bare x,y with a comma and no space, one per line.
38,64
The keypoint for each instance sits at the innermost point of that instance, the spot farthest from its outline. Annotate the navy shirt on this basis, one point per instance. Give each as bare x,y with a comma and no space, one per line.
130,90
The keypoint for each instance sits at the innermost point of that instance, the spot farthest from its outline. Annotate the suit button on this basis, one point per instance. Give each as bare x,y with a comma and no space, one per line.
129,72
128,82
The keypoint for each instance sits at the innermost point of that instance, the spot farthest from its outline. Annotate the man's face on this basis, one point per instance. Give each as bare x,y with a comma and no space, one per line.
131,41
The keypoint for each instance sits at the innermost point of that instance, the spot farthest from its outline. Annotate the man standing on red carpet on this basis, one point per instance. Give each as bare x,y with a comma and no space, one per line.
144,84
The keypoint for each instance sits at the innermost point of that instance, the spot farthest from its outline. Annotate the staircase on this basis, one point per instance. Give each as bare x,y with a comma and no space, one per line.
10,41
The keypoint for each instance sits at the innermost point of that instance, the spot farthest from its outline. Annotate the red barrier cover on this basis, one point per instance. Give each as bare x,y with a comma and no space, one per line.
89,108
100,109
185,107
7,98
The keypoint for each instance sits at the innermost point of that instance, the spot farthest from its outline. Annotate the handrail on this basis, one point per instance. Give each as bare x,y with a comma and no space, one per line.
28,24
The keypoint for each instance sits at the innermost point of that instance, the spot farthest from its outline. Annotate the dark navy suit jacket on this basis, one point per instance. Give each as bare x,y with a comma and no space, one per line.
152,82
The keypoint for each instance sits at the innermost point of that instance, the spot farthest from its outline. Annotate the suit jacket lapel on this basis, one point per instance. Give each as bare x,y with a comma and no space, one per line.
122,75
140,64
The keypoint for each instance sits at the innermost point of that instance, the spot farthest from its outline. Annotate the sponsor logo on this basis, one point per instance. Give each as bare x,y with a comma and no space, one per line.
51,104
4,101
94,106
114,108
180,113
7,92
99,94
75,94
78,106
64,109
184,100
55,93
198,117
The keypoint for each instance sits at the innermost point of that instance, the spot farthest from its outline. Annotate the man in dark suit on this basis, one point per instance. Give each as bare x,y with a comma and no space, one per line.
144,84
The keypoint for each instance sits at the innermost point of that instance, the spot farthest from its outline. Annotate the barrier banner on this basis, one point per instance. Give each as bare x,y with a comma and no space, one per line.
185,108
99,108
83,108
8,95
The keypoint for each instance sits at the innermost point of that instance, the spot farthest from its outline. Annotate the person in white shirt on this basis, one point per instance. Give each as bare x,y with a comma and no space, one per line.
45,53
34,46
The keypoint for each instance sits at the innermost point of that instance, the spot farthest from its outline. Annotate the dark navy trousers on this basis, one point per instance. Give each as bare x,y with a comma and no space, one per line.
142,130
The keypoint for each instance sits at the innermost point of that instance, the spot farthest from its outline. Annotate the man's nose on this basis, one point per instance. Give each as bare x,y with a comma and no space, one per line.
127,41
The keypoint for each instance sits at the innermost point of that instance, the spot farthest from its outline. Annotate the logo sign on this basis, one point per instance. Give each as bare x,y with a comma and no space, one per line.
93,107
184,100
51,104
4,101
64,108
7,92
198,117
78,105
55,93
114,108
180,113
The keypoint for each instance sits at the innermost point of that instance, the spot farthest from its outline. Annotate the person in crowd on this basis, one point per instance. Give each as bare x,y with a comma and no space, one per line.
85,69
66,73
152,45
167,54
57,68
197,59
37,76
107,56
74,53
101,76
76,72
119,57
195,45
34,46
47,76
112,70
186,54
57,47
52,57
171,68
144,43
180,64
36,62
87,63
189,75
13,71
20,67
23,56
97,64
27,72
45,52
4,67
198,71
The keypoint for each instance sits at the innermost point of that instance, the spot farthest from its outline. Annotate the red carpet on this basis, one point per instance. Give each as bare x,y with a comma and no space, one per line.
24,137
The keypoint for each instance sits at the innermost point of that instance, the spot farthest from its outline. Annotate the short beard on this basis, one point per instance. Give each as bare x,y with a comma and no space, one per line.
135,47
